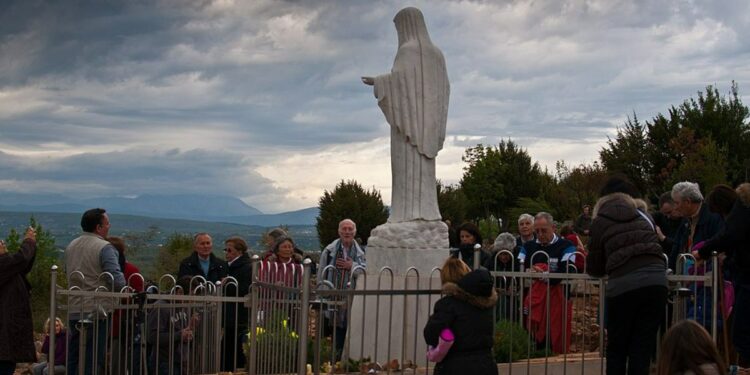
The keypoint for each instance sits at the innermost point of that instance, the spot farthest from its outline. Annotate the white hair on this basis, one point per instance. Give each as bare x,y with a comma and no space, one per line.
687,190
504,241
348,221
525,217
546,216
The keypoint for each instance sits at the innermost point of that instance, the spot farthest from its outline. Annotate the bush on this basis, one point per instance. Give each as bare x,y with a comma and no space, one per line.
279,343
513,343
326,351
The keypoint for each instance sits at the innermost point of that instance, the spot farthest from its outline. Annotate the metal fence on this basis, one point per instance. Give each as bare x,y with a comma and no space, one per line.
373,322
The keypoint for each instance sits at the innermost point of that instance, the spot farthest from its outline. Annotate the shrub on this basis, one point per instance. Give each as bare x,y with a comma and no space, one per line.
513,343
279,343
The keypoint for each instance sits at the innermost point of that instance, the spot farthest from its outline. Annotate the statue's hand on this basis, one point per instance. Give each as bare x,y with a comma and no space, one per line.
368,81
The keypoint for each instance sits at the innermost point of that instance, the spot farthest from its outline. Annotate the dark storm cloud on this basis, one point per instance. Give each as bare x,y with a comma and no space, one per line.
265,80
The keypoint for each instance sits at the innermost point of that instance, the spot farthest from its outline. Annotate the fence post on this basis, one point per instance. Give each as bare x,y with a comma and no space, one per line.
477,255
52,317
304,314
715,295
602,301
218,328
252,340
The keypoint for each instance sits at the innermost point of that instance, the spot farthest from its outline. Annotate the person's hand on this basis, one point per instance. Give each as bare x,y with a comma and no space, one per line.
696,248
344,263
30,234
536,269
696,254
660,234
194,320
187,334
368,81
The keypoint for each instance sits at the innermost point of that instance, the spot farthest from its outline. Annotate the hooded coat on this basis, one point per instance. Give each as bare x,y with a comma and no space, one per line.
466,309
16,326
622,238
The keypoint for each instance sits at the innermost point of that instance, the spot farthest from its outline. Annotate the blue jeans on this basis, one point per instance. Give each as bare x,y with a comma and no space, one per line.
100,327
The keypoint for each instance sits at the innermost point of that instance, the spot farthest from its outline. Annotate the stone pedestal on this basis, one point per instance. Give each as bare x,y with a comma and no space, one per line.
400,256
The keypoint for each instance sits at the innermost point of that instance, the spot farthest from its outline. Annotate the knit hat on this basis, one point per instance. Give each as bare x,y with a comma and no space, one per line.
477,282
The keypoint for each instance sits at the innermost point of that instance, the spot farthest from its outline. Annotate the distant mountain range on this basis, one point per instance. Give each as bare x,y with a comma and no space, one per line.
212,208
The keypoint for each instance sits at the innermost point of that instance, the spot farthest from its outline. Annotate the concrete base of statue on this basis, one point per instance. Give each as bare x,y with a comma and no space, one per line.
400,256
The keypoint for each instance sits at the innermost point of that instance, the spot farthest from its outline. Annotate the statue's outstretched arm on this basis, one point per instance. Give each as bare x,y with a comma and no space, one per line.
368,81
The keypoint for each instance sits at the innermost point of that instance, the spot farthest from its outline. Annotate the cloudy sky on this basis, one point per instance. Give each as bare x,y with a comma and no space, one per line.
262,99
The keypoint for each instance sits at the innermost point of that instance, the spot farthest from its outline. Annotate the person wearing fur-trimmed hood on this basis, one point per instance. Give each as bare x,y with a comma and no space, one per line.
466,309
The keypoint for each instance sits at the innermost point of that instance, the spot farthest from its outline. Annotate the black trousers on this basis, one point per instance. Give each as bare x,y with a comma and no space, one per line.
633,319
741,328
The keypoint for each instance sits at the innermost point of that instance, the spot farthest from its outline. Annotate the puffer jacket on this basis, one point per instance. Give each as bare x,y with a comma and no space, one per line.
466,309
623,238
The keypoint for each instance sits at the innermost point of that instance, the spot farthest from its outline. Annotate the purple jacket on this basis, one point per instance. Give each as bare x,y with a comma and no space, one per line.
60,345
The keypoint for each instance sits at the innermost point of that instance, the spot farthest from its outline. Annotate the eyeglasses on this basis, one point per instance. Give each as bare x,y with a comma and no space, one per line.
226,249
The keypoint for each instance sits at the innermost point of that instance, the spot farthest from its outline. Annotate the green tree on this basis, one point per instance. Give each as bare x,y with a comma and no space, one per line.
624,153
177,248
702,161
496,177
715,133
39,276
349,200
482,183
724,120
452,202
575,187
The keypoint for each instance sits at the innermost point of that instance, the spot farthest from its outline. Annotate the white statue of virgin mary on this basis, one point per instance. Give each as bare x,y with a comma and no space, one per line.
414,100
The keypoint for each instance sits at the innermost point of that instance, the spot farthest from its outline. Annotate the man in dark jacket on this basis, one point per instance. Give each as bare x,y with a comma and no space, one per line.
170,334
554,254
235,314
560,252
202,261
583,222
16,327
698,223
667,222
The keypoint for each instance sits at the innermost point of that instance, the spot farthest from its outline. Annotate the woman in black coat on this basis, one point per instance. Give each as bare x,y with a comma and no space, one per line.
734,241
16,327
466,309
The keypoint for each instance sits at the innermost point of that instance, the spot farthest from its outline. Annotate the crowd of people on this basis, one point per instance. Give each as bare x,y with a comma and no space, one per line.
635,248
620,237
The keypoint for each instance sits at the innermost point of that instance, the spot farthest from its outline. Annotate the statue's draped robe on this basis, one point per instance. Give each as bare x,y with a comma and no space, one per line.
414,100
